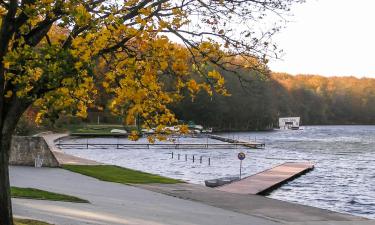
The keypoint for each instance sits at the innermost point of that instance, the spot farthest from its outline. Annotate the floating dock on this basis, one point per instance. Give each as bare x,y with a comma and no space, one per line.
249,144
268,180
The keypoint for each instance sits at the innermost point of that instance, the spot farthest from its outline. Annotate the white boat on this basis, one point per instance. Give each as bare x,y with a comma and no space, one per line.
289,123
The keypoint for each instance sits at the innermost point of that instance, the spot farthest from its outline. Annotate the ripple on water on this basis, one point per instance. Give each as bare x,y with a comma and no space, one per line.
343,179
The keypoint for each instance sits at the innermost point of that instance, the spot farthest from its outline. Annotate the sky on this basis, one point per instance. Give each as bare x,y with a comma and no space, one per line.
329,38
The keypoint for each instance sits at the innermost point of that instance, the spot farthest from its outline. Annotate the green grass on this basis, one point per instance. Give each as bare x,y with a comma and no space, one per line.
94,128
29,222
120,175
32,193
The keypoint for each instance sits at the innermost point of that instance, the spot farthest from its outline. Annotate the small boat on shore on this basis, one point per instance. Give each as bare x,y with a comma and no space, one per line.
220,181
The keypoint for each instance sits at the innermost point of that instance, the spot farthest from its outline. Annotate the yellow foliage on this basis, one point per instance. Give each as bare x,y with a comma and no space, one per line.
132,61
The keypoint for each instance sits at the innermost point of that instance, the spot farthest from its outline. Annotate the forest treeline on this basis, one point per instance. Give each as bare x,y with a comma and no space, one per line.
257,101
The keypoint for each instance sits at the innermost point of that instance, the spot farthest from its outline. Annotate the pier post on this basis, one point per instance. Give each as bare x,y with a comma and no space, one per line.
185,157
193,158
178,156
172,155
209,161
200,159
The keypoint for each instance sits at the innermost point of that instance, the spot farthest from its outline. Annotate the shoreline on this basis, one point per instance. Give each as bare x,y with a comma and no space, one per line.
196,192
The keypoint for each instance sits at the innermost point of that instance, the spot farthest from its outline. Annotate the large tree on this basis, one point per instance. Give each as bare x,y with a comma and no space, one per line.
49,50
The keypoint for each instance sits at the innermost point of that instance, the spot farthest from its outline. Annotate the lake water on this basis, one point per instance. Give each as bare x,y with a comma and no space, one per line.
343,179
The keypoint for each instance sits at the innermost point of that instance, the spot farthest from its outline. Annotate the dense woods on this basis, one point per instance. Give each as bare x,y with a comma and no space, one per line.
333,100
257,101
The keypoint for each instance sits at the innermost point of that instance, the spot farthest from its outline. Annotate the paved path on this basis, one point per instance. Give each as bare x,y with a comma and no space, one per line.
113,203
61,157
267,180
255,205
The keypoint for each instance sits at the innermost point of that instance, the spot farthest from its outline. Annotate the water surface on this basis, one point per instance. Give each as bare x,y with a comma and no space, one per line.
343,179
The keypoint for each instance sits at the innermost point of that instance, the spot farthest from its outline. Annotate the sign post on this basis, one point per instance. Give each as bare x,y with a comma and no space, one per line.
241,156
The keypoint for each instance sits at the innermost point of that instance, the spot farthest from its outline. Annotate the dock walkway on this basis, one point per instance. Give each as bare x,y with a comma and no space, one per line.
150,145
249,144
268,180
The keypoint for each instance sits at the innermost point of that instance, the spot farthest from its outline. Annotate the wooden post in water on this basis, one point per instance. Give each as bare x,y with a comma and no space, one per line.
193,158
185,157
200,159
209,161
172,155
178,156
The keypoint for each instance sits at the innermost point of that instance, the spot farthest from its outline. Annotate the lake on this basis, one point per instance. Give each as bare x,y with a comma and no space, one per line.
343,179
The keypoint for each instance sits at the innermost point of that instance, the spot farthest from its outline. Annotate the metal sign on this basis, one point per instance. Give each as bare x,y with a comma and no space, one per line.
241,156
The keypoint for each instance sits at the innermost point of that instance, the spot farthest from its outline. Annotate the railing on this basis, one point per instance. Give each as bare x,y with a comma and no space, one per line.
149,145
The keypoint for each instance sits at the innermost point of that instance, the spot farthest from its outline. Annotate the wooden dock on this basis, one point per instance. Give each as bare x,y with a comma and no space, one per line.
268,180
149,145
249,144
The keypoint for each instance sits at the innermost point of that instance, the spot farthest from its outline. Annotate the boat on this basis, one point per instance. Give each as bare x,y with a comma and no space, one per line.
289,123
220,181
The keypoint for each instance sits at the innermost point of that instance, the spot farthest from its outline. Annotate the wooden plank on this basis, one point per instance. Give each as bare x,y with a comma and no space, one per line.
157,145
268,180
249,144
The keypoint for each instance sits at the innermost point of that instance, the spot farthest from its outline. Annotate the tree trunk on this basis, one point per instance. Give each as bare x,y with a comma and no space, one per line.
6,217
10,117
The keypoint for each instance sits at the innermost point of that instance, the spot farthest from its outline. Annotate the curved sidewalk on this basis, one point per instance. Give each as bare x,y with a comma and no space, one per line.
259,206
61,157
112,203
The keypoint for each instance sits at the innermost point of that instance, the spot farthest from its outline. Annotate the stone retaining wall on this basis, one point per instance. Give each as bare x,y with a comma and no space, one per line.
25,150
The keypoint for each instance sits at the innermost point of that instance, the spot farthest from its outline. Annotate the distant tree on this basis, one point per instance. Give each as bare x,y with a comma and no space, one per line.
328,100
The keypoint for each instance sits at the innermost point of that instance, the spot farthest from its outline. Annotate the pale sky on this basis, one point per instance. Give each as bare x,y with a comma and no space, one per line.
330,38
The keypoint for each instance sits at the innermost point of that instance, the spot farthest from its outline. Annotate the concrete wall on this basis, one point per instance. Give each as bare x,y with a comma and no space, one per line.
25,149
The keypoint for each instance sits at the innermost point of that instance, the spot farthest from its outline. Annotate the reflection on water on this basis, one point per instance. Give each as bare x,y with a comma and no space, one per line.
343,179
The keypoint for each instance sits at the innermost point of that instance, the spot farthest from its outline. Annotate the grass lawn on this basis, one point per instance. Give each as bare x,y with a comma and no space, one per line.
120,175
29,222
98,129
32,193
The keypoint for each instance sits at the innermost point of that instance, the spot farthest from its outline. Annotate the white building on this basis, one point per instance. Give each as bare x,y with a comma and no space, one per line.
289,123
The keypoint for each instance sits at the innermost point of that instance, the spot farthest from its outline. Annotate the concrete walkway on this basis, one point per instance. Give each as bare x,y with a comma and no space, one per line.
112,203
255,205
61,157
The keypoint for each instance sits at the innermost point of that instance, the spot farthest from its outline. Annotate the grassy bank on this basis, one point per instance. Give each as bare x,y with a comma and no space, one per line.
29,222
32,193
120,175
93,128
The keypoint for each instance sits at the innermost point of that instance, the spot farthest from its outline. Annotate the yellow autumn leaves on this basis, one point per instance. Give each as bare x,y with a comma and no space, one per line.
132,60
